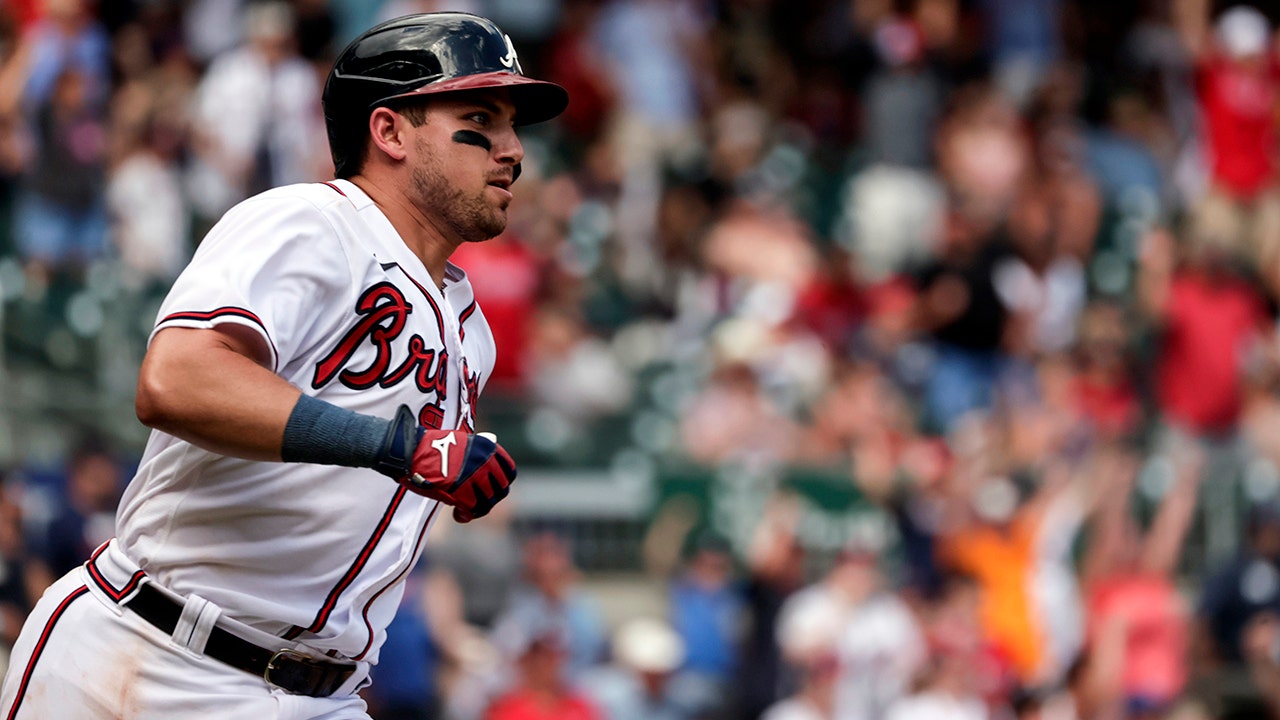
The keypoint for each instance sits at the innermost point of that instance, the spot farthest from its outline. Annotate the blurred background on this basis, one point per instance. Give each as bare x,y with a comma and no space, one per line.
863,359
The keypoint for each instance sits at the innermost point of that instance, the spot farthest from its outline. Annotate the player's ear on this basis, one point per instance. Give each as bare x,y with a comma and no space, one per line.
386,130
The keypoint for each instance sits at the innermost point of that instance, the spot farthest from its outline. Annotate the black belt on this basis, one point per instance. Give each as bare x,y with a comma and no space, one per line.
286,669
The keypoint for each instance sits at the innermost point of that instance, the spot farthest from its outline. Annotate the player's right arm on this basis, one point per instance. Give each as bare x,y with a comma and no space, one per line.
263,284
211,387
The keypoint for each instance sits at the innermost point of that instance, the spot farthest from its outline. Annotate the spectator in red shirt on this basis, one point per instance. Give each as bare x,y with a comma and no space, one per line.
1139,623
540,692
574,63
507,293
1211,322
1238,85
831,305
1210,318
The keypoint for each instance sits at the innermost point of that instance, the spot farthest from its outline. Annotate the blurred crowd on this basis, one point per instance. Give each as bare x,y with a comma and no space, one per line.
1011,267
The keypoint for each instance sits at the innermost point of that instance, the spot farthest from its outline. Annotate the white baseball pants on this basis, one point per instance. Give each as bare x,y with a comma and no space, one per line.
82,657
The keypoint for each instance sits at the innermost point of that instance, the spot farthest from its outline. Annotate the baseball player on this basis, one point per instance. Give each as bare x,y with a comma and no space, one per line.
311,382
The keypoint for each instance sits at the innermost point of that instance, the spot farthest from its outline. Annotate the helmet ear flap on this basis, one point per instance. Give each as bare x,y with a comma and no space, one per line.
348,142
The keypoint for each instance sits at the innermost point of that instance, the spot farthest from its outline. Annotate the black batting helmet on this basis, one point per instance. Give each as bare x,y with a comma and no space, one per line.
421,55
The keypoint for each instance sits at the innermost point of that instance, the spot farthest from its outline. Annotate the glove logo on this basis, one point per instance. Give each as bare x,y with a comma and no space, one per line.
482,478
442,446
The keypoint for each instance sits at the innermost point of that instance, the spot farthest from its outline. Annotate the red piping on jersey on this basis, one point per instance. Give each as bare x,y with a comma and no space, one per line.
413,560
467,312
101,582
39,648
439,320
462,319
224,311
357,565
427,294
335,188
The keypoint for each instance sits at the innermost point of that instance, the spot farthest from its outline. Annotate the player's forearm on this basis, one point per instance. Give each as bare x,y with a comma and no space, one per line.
215,397
212,388
195,385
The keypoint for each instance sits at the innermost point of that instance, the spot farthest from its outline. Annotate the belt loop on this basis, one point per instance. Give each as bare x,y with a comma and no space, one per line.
195,623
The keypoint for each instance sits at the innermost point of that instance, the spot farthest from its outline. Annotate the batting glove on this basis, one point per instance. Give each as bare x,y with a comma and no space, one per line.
469,471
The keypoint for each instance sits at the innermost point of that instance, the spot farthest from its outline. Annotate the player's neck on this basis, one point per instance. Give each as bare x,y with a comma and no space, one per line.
423,237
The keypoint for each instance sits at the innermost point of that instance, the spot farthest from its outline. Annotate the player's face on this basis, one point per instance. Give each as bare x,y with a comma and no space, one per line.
463,163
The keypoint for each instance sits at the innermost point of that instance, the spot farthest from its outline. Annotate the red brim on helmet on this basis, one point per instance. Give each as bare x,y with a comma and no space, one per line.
535,100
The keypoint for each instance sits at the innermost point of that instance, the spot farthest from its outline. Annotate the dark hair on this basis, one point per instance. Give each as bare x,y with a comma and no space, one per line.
415,113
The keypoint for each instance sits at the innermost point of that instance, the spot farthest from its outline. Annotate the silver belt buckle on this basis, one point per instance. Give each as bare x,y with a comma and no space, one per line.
271,664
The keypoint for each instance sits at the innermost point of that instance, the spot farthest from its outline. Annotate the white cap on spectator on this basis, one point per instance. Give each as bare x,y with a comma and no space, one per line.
648,645
1243,31
809,625
995,499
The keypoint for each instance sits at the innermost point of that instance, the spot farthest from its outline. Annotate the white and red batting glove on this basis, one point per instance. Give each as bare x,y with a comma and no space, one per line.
469,471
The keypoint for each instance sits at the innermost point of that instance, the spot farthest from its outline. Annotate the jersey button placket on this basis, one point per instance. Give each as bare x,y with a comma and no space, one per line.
457,381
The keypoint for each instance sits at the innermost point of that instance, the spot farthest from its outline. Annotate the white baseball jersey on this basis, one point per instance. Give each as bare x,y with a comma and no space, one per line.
312,553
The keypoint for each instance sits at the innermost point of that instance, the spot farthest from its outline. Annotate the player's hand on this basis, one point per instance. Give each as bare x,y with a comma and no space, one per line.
471,472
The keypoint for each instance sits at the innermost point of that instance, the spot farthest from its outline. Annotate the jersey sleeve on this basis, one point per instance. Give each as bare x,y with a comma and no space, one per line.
272,264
